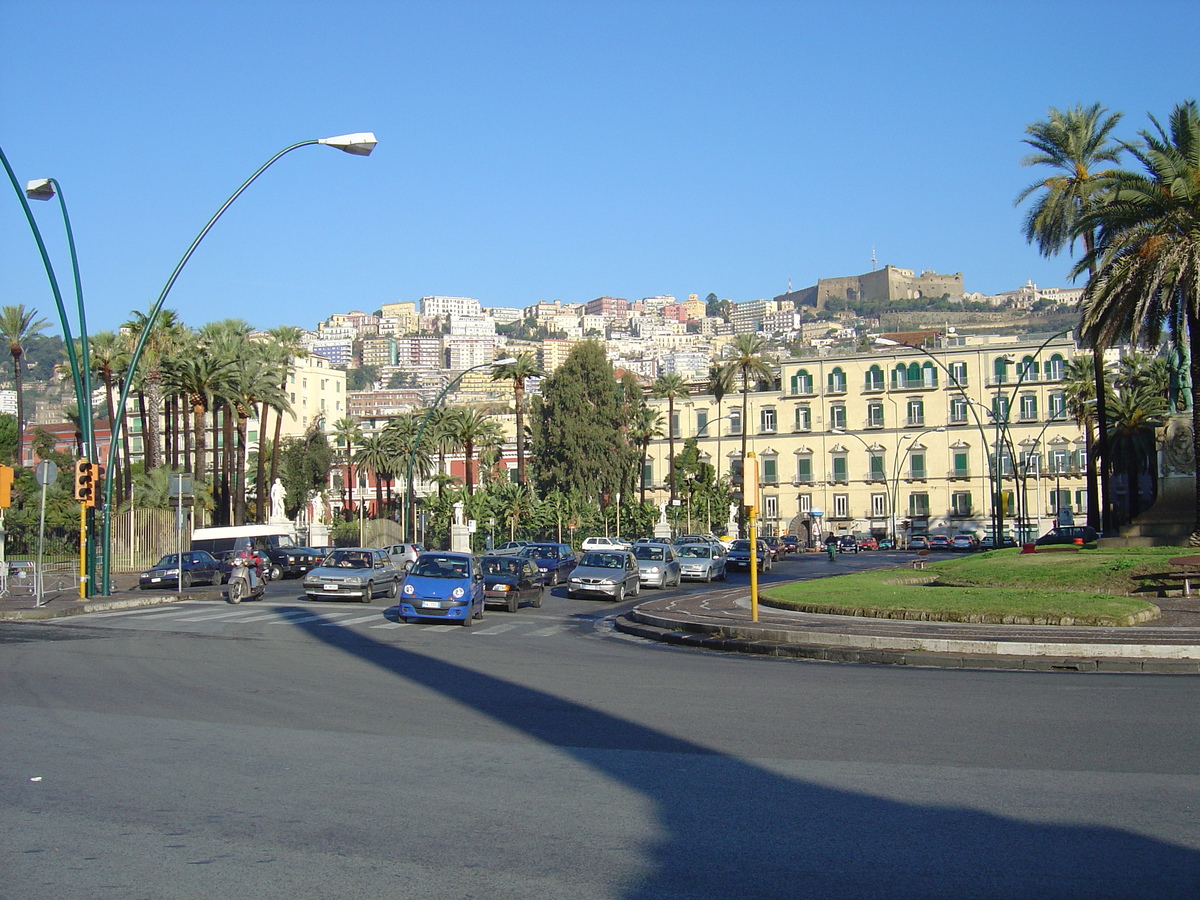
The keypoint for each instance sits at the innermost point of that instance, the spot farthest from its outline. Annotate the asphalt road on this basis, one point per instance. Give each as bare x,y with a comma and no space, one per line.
314,750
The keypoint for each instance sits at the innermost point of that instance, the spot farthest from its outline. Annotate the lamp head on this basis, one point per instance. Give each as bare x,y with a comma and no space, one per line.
507,361
39,189
886,342
360,144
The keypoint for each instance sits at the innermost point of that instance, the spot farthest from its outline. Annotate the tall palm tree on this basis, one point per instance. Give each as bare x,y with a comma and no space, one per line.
645,426
377,456
523,367
670,386
1075,142
17,326
1146,263
163,339
471,429
106,353
347,434
1134,414
720,383
746,357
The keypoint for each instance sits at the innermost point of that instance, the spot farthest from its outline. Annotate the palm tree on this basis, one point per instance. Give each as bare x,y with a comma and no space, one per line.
17,326
1146,263
745,357
1075,142
163,339
377,456
645,426
346,433
106,352
523,366
1134,413
720,383
670,385
471,430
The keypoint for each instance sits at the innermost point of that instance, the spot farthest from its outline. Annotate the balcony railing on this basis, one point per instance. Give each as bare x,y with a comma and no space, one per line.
959,473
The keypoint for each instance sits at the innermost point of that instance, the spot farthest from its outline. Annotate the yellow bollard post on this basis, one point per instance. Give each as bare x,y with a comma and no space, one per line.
82,551
750,499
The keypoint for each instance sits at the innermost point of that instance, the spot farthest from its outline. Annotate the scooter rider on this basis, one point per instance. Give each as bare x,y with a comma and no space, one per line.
249,558
831,546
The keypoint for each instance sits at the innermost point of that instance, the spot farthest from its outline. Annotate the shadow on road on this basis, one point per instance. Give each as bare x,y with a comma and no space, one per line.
734,829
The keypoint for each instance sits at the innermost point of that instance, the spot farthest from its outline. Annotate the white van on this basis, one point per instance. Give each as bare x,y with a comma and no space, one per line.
282,556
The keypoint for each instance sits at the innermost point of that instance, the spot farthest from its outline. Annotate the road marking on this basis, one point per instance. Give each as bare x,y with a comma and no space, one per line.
281,616
210,616
498,629
442,628
311,617
547,632
359,620
385,625
143,611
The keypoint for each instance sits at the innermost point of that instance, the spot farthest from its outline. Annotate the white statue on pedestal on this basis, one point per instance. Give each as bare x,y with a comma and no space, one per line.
278,494
458,512
662,513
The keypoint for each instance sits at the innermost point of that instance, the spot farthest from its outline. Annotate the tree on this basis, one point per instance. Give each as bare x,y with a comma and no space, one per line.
576,426
163,338
523,366
1145,268
346,434
285,345
670,386
472,430
644,428
17,326
745,358
1074,142
1134,414
304,467
720,383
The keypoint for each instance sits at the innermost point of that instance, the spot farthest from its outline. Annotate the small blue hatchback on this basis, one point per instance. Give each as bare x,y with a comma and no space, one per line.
445,586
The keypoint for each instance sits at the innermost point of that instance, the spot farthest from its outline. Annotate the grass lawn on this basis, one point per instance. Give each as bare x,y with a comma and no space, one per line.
1085,587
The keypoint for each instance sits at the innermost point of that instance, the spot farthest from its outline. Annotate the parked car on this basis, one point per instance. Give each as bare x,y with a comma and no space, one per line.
964,543
609,573
886,544
556,561
918,542
697,539
273,544
445,586
940,542
512,547
774,546
199,567
868,542
739,555
511,580
359,572
658,566
791,543
1067,534
847,543
601,542
988,543
404,555
702,561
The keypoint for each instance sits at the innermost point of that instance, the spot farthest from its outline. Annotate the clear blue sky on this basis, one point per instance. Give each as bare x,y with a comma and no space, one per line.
546,150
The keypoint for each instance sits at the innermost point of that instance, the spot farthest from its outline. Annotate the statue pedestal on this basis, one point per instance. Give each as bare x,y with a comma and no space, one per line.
318,535
662,531
460,539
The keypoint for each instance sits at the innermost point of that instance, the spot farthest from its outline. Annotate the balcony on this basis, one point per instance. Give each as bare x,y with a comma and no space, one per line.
959,473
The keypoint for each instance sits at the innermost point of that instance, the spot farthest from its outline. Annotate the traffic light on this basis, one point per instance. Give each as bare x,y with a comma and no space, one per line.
97,485
84,484
6,480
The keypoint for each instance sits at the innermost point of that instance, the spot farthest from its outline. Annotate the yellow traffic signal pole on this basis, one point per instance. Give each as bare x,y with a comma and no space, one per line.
83,554
750,499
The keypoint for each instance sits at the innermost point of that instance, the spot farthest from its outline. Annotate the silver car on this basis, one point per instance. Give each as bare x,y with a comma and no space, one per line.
358,572
605,573
657,565
702,562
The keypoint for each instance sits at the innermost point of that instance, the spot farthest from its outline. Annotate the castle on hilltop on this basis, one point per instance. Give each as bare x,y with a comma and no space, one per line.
888,283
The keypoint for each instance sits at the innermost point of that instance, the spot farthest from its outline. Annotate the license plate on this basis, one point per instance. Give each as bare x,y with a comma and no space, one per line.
331,587
156,579
430,604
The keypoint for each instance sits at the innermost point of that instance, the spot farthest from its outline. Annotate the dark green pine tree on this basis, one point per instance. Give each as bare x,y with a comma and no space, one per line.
577,428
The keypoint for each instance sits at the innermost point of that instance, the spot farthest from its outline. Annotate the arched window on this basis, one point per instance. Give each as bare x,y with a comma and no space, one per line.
1055,367
874,380
1000,369
802,382
837,381
914,374
899,377
1027,370
929,375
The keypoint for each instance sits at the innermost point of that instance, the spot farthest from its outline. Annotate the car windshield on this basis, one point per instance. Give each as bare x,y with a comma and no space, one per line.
603,560
440,567
648,551
541,551
740,545
348,559
170,561
697,551
501,565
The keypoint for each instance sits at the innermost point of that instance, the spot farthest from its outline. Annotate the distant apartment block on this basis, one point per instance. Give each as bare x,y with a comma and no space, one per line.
450,306
415,353
380,404
465,352
472,326
379,351
554,353
339,351
608,307
315,390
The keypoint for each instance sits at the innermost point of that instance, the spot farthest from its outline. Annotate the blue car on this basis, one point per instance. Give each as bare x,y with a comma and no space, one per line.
445,586
555,561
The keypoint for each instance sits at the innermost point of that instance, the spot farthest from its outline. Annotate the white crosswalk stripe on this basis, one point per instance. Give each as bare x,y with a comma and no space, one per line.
497,629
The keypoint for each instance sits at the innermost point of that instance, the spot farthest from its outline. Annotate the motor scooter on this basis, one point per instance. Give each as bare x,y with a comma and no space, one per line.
244,581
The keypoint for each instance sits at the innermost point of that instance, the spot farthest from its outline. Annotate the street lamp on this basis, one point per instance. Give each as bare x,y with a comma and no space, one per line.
358,144
410,528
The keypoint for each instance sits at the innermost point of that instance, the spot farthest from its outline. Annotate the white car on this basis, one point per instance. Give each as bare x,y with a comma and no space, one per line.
604,543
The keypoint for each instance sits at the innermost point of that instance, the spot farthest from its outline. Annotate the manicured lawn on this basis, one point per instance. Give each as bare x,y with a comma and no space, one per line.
1086,587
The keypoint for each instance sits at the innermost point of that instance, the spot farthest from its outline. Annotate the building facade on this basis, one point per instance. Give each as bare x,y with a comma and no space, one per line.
902,440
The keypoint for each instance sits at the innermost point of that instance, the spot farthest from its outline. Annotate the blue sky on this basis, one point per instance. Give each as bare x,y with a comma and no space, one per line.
546,150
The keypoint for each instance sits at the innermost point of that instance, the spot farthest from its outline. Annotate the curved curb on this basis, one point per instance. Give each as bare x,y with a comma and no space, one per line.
890,650
79,608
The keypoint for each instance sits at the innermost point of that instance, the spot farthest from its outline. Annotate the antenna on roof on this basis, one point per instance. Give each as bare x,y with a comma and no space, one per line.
872,257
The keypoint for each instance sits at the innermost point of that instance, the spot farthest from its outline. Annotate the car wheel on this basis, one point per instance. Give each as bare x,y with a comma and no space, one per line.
466,620
708,575
619,593
479,615
514,601
185,581
276,573
537,601
368,592
393,590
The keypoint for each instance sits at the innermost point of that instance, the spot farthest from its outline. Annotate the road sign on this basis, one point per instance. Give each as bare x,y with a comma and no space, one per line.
45,473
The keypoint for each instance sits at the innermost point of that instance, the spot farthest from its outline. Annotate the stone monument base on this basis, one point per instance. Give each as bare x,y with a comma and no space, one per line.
318,535
1168,523
460,539
662,531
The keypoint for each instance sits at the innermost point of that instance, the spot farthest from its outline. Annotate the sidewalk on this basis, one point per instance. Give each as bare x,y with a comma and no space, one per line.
721,621
125,595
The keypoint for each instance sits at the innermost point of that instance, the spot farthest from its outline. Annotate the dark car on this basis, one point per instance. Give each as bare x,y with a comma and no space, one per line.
1068,534
556,561
774,546
739,556
791,543
918,542
847,543
199,567
940,542
510,580
988,543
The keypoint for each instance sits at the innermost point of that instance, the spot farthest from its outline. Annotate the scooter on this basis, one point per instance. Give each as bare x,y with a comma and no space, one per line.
832,548
244,581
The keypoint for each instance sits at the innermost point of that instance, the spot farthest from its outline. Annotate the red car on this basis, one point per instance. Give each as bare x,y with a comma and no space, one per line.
868,543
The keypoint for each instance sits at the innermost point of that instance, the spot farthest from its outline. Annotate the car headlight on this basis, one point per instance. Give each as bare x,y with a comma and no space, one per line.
501,587
353,579
654,570
457,592
409,590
